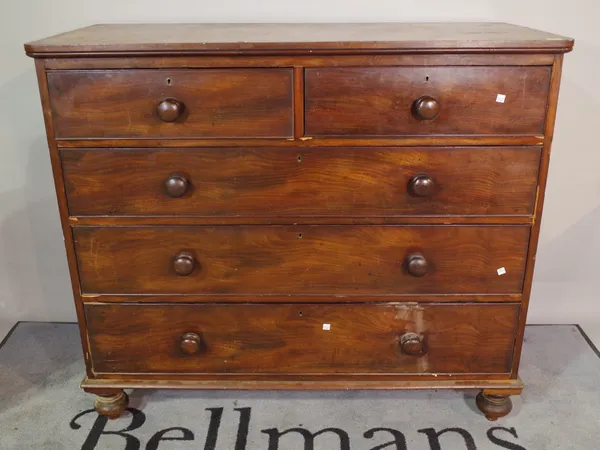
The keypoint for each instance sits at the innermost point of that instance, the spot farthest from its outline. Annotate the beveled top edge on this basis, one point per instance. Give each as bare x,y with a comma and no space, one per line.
298,37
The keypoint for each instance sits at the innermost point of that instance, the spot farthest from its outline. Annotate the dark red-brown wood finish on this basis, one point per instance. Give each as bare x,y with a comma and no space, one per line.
176,104
333,260
247,339
344,181
227,190
383,101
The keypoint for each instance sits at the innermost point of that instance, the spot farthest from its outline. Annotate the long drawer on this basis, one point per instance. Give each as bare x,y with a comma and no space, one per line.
309,339
385,101
341,260
292,182
171,103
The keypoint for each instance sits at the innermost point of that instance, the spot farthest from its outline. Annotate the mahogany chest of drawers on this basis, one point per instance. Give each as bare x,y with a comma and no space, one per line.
301,206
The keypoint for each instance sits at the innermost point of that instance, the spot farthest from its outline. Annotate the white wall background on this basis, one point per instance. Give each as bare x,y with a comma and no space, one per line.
34,281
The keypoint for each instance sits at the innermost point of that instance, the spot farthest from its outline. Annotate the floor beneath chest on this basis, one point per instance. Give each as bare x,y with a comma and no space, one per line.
42,407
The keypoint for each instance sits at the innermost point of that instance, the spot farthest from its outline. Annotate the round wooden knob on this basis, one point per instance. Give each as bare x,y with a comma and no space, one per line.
412,344
169,110
190,343
184,264
426,108
176,185
421,185
417,265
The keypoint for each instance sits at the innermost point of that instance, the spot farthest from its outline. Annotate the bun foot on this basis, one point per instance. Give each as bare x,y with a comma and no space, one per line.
111,406
494,406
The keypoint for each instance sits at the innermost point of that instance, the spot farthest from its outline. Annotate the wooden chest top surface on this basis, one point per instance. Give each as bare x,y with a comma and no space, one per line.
472,36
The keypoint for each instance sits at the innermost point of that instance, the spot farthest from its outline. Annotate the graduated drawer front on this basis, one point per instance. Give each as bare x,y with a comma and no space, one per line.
291,182
344,260
383,100
212,103
286,338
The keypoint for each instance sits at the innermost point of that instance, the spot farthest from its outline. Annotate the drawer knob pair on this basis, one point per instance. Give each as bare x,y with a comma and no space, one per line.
416,264
184,263
421,185
412,344
169,110
190,343
426,108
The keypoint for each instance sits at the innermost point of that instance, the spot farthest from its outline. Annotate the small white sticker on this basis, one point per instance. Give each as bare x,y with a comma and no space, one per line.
500,98
327,326
501,271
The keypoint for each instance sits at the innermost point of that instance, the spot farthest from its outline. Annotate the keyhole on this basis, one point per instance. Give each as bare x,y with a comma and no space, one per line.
299,235
427,78
300,313
299,158
169,82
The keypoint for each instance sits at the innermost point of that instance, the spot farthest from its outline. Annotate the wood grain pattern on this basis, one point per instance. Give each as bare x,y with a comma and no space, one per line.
301,259
290,338
217,103
378,101
249,38
291,182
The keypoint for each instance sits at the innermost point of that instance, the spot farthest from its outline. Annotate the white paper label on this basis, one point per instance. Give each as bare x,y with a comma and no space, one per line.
500,98
501,271
327,326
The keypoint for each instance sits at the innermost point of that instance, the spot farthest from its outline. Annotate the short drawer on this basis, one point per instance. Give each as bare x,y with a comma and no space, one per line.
386,101
301,182
302,339
312,259
171,103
